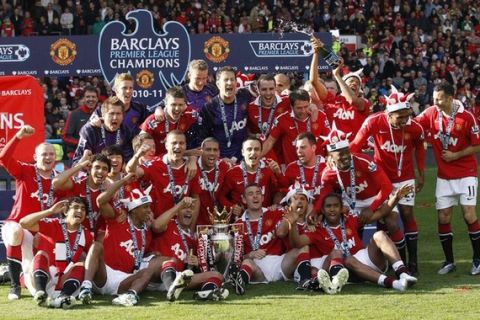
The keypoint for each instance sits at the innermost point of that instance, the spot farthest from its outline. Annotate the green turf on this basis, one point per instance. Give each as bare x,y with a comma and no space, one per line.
453,296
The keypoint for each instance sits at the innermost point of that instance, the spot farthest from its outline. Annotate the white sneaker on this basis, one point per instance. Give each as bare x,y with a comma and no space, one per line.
324,281
447,267
64,302
126,299
181,281
213,295
340,279
400,285
475,270
411,280
40,298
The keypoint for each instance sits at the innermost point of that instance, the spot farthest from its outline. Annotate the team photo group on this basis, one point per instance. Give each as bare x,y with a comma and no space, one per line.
235,182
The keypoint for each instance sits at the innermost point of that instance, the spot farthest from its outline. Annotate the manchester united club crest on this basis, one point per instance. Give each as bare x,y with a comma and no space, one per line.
358,173
458,127
349,232
145,79
63,52
407,136
216,49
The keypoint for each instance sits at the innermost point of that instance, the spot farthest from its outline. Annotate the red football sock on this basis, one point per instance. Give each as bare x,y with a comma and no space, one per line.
14,253
410,226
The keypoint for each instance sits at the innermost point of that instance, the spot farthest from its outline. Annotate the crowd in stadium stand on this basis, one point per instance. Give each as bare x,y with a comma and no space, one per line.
411,44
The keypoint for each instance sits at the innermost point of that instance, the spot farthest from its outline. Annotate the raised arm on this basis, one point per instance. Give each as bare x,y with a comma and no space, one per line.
103,200
133,165
6,154
161,222
62,181
268,145
313,76
296,239
30,221
351,97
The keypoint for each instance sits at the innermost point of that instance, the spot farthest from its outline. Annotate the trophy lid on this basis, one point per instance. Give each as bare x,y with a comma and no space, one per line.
219,217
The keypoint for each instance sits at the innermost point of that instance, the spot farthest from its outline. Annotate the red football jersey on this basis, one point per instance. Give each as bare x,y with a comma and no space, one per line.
79,189
27,196
156,173
347,118
170,244
286,129
158,130
233,186
209,187
370,181
268,238
388,153
51,230
119,249
464,133
268,116
311,178
321,240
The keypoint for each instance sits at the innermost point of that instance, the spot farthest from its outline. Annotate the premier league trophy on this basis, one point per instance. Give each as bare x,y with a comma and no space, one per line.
219,244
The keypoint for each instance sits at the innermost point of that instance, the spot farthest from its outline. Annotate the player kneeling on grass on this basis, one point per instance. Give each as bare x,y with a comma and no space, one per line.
177,240
120,266
56,271
265,259
339,231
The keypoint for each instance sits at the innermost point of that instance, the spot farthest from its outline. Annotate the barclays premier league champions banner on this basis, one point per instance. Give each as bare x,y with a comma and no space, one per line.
158,59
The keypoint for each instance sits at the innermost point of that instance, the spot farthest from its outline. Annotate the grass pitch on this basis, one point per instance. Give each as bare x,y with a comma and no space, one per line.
453,296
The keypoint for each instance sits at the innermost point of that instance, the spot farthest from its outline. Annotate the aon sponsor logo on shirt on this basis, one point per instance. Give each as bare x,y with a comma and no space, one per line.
359,187
392,147
238,125
344,114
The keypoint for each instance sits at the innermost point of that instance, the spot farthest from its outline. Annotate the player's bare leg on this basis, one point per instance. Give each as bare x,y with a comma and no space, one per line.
470,217
445,234
381,249
411,236
366,273
396,234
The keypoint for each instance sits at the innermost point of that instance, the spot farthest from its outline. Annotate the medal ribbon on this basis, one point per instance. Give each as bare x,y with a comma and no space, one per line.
137,253
70,251
342,246
254,241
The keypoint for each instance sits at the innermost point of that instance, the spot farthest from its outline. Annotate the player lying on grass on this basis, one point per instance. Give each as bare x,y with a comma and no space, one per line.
339,231
177,240
121,265
56,270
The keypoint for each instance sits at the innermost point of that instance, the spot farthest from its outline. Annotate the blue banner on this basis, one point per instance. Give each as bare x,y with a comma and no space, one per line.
156,60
